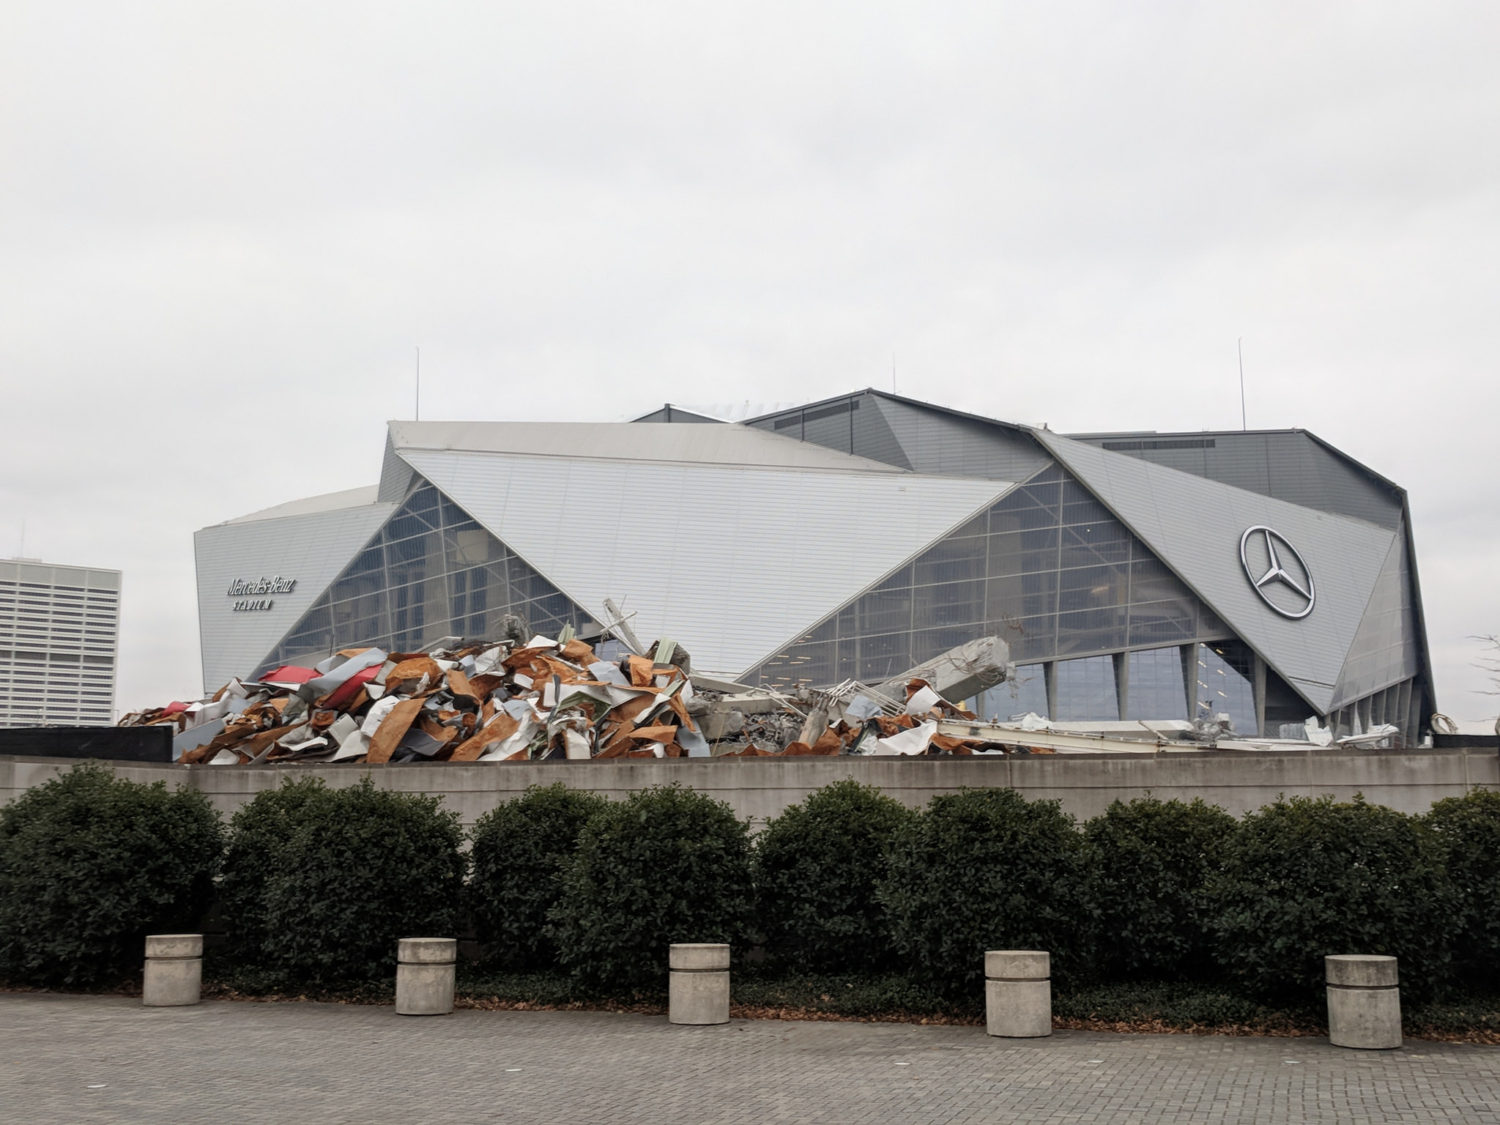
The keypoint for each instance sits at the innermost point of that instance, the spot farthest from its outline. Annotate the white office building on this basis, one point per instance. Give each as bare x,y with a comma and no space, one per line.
59,641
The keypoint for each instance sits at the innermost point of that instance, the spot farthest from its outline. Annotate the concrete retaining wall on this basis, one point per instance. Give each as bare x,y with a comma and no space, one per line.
760,788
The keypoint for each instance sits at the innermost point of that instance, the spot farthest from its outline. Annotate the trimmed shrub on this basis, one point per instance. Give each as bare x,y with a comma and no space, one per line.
1468,831
817,867
664,865
1147,862
518,855
327,881
89,865
985,869
258,833
1303,878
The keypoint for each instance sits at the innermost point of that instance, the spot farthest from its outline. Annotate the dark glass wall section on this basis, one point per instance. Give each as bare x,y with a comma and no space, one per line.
429,573
1086,689
1226,685
1156,685
1026,694
1046,568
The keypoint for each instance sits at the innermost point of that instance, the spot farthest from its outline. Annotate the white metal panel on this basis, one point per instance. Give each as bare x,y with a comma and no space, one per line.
395,474
1194,525
650,442
729,560
328,502
311,548
1385,650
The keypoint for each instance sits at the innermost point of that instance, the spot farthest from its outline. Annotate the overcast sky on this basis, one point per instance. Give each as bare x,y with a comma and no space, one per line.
225,228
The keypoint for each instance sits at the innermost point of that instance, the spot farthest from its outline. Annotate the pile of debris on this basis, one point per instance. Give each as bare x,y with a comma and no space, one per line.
543,699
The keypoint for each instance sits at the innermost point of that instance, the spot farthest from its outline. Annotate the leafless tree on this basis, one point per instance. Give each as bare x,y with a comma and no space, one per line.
1490,663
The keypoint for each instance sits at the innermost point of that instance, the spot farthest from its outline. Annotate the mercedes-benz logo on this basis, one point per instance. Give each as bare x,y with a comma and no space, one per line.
1277,571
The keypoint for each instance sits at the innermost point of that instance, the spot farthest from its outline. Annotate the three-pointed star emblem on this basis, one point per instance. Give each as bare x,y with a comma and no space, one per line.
1277,572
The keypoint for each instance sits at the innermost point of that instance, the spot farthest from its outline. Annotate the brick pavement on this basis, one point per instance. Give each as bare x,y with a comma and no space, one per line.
92,1059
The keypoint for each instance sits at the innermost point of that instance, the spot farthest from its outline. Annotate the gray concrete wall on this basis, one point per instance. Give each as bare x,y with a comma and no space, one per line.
760,788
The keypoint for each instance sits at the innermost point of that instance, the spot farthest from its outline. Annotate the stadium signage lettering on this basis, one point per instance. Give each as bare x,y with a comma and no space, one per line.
249,593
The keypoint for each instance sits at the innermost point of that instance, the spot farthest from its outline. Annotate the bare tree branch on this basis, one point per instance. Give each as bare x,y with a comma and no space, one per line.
1490,664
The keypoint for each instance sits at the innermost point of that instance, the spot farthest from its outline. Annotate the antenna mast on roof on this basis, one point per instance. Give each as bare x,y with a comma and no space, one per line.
1239,347
417,413
893,373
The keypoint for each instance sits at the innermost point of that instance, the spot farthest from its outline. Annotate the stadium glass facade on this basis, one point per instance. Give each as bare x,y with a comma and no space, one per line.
1100,628
431,572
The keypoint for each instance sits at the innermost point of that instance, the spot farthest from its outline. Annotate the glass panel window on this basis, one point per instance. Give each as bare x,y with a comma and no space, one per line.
1224,685
882,657
423,504
953,603
950,561
430,572
1026,693
1155,687
1091,630
1019,552
1086,690
1090,544
1031,637
884,611
1161,623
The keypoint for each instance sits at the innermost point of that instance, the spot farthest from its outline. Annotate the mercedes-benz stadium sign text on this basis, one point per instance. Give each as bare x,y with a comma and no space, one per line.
252,594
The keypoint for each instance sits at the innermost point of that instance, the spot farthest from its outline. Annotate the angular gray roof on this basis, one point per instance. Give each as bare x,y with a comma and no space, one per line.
653,442
1195,526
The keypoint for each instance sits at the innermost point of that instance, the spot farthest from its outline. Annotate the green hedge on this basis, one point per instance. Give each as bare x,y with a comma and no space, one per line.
664,865
1303,878
817,867
1148,861
518,854
986,869
89,865
258,833
1468,832
323,882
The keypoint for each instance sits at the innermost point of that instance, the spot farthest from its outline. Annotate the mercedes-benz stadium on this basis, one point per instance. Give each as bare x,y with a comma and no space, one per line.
1260,574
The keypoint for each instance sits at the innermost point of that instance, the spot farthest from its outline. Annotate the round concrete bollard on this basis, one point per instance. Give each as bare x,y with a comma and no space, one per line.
1018,993
425,975
1364,1004
174,970
698,984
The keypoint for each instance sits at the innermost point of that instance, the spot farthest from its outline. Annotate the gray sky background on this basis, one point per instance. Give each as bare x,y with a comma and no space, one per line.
224,228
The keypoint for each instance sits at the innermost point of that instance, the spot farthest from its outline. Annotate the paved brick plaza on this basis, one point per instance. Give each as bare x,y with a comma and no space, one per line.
87,1059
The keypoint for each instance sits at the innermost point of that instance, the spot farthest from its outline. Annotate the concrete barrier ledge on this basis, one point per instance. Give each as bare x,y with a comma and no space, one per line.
761,788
